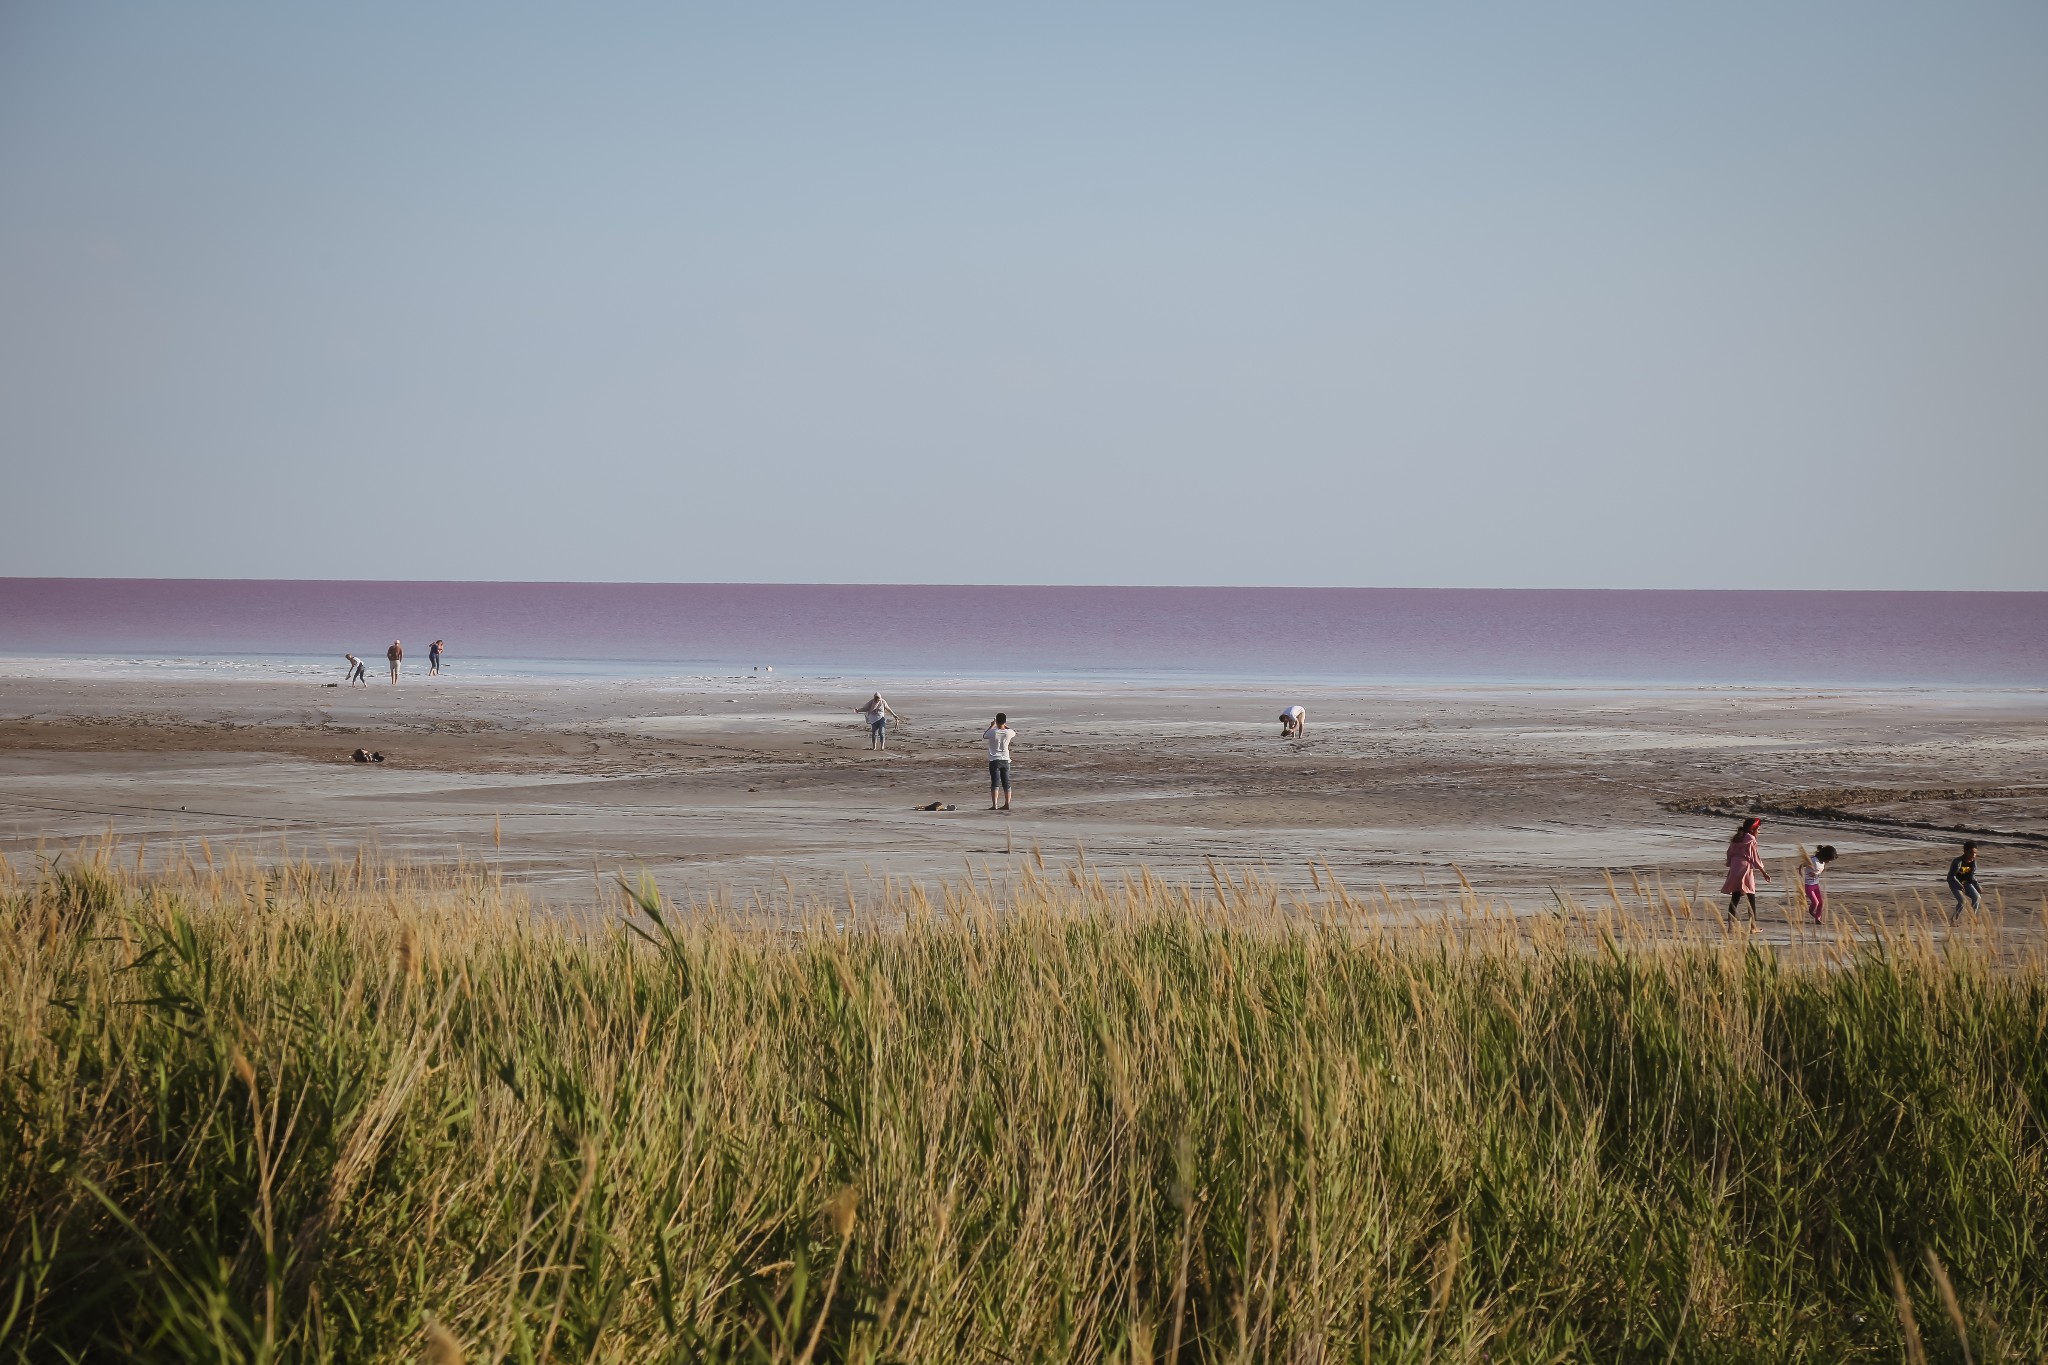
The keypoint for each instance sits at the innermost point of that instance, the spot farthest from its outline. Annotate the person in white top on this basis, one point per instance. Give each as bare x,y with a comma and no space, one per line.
1293,723
999,736
1812,868
878,715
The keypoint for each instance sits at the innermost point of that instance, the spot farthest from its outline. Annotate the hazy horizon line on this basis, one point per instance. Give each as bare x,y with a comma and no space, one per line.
1114,587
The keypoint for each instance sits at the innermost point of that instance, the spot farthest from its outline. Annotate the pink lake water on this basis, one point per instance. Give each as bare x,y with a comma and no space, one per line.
1328,634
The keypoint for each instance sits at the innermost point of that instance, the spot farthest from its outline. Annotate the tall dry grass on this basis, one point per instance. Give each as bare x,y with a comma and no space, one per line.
311,1112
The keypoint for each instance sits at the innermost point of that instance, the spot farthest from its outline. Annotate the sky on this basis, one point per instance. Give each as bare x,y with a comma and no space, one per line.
1568,295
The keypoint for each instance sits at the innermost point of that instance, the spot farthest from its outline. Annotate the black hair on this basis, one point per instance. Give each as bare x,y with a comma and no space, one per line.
1002,719
1825,853
1969,845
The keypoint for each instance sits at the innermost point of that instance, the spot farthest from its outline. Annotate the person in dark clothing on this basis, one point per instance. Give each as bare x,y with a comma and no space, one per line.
1962,879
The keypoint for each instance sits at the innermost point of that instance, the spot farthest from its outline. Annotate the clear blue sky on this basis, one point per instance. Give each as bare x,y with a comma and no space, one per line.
1718,295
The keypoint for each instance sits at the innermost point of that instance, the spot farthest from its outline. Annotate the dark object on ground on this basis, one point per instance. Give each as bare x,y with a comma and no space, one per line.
330,684
936,805
361,755
376,758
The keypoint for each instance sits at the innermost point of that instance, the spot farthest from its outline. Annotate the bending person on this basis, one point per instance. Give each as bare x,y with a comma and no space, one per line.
1293,723
1962,879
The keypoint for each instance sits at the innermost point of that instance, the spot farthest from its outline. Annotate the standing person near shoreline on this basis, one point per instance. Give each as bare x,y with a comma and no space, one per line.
878,714
396,655
999,735
434,659
1962,879
355,671
1293,723
1745,865
1812,868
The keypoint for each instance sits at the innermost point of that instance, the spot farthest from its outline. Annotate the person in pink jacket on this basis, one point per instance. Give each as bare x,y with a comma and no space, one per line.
1745,865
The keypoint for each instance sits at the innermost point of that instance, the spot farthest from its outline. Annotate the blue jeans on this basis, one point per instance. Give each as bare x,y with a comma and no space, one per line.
876,728
998,775
1959,889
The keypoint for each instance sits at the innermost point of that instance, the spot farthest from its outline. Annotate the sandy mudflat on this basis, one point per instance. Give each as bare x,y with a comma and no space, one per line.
742,783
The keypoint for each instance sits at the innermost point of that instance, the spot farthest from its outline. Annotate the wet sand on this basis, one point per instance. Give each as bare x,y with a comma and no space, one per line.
747,784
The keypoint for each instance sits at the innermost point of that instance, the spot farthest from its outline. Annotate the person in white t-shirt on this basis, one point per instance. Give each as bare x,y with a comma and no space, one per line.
999,736
1812,867
1293,723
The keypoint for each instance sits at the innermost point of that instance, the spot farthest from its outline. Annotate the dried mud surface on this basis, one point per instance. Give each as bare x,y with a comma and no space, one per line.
751,785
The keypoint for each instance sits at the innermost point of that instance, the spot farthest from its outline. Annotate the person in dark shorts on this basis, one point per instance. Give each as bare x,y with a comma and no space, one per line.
999,736
1962,879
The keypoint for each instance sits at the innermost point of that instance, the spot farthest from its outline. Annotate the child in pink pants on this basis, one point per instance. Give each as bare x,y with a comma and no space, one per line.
1810,873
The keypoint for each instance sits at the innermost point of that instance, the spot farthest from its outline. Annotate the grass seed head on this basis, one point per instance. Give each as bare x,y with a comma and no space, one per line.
840,1210
442,1347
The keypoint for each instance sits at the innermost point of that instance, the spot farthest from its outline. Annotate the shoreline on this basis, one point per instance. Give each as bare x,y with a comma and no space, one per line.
227,667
